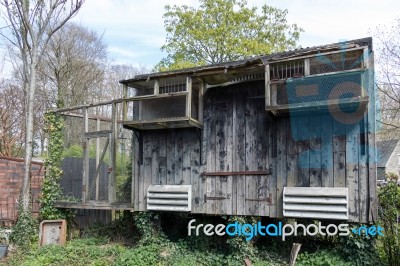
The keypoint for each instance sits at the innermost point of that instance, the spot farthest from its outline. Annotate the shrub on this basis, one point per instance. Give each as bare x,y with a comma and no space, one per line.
389,214
321,258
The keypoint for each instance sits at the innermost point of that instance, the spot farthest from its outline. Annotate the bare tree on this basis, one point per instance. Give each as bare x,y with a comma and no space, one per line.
72,70
31,25
388,76
11,120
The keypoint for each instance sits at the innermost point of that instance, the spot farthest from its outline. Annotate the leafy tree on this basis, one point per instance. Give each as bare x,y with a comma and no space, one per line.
224,30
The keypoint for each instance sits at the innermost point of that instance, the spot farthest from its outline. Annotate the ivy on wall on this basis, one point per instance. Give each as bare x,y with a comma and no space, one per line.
51,190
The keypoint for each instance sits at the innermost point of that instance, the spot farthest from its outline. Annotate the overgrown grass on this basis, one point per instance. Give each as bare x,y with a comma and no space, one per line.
150,239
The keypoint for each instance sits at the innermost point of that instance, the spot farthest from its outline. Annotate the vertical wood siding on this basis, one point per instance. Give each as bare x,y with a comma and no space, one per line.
309,150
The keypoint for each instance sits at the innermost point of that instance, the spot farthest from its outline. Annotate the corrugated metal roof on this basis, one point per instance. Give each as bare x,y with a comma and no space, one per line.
255,60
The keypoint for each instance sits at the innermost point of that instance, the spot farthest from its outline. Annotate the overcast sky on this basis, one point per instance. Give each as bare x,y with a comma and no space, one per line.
134,30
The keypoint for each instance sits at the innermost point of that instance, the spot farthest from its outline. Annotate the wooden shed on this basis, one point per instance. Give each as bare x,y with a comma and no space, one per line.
289,134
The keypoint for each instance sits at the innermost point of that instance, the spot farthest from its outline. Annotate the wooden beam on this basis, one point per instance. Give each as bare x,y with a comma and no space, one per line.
85,172
125,104
306,66
201,94
98,134
113,148
97,159
93,205
188,97
267,86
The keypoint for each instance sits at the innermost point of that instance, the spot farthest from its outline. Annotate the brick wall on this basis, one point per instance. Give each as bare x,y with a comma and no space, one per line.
11,175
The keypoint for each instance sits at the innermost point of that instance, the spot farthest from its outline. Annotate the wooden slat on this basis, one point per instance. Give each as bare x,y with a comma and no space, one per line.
188,141
363,173
211,155
352,170
155,160
272,166
147,174
94,205
315,151
170,158
197,181
97,176
178,136
371,122
326,151
263,126
303,150
239,152
98,134
162,157
85,171
113,150
135,189
228,143
281,163
251,150
292,157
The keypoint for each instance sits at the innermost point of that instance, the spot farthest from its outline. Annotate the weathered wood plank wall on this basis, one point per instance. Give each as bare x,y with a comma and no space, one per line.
312,149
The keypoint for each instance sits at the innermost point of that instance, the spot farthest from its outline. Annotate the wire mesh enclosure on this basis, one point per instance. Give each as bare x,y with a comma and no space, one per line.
171,85
288,69
176,102
320,88
322,79
346,60
97,155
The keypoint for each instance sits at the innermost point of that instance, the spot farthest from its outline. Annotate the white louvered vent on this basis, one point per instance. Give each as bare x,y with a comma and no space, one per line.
315,202
169,198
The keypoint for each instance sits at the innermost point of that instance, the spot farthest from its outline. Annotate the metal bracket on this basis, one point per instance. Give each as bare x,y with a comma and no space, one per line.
268,199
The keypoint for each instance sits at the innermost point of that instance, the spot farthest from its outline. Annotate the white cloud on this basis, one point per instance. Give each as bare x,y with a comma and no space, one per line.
137,27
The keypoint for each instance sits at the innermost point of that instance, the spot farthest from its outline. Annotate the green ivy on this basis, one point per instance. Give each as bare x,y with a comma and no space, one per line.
148,225
51,190
25,232
359,249
239,247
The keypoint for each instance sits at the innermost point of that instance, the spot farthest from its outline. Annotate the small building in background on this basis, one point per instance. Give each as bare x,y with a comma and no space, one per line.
388,157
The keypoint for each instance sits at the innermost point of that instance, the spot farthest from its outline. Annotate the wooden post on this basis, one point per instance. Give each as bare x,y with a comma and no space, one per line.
267,87
201,93
306,67
85,171
188,96
156,87
125,103
293,254
97,159
113,149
